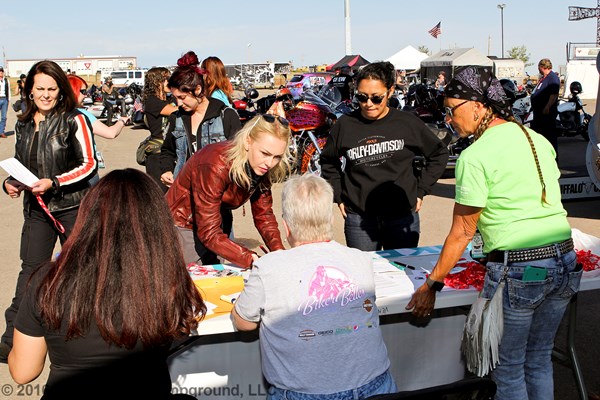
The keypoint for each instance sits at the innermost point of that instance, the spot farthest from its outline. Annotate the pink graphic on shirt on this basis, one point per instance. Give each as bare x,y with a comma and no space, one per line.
328,282
330,286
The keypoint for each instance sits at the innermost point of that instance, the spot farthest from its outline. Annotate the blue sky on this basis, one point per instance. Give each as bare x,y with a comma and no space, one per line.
305,32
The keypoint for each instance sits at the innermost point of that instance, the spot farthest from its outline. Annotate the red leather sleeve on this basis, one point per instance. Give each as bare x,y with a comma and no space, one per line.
265,221
209,184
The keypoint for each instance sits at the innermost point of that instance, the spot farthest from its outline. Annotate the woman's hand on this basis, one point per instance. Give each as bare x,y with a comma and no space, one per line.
419,204
343,210
14,188
167,178
422,302
41,186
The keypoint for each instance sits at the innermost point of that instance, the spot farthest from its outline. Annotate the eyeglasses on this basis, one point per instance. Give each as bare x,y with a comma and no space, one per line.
83,91
450,110
271,119
363,98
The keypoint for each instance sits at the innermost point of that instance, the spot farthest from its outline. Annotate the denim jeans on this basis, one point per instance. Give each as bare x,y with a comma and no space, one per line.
3,111
370,233
533,311
181,145
383,384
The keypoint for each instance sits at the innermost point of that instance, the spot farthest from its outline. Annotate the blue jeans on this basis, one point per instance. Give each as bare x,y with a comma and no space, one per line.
370,233
533,311
383,384
3,111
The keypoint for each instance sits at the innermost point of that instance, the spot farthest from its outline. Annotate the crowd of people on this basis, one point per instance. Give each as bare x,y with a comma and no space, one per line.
127,238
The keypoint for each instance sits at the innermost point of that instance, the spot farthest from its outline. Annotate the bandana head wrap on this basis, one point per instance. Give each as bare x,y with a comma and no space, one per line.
479,84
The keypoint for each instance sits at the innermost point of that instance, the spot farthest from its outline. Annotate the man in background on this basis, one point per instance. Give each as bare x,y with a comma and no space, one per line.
4,99
544,103
343,81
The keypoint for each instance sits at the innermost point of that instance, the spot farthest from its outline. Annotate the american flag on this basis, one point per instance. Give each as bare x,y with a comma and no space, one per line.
436,30
137,104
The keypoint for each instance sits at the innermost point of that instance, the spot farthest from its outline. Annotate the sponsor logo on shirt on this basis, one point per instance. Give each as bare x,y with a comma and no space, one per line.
306,334
368,305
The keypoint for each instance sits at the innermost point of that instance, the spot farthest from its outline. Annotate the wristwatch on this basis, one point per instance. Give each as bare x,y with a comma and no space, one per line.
434,285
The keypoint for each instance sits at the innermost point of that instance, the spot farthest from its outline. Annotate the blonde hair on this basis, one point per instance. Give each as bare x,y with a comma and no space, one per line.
307,203
237,154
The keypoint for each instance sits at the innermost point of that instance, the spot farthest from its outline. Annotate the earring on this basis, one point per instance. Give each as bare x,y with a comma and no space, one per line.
475,117
30,96
60,98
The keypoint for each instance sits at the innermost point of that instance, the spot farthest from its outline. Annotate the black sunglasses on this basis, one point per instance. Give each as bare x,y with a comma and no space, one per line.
450,110
363,98
271,119
83,91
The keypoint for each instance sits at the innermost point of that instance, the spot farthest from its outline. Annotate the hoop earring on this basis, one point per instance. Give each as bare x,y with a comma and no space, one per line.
30,96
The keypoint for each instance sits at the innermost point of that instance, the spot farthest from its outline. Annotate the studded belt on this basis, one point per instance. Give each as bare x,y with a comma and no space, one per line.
535,253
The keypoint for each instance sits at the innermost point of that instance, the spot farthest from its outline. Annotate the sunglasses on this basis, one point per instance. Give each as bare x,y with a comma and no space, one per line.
450,110
363,98
83,91
271,119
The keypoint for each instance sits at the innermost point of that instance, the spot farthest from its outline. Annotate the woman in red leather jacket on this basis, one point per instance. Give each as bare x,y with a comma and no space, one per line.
222,177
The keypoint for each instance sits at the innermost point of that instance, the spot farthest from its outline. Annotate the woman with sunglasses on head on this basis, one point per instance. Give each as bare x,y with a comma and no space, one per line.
507,187
377,191
200,119
222,177
54,141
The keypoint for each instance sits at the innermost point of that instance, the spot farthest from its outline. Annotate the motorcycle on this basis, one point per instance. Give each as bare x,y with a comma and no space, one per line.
572,120
243,105
424,101
310,122
128,103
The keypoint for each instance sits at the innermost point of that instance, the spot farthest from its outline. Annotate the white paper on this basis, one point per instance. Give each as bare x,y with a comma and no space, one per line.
18,171
390,281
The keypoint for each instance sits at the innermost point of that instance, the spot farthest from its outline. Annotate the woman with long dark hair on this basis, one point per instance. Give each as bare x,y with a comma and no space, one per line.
200,120
55,142
108,308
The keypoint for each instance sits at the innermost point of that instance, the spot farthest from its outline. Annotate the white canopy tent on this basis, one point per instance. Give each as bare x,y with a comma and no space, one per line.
408,59
448,60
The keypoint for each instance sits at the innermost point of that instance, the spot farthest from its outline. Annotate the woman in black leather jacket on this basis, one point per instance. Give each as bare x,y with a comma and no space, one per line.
53,141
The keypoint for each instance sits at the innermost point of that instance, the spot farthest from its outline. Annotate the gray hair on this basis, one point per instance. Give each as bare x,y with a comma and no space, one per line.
307,203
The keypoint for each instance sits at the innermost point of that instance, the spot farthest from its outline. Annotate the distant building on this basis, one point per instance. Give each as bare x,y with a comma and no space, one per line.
509,68
82,65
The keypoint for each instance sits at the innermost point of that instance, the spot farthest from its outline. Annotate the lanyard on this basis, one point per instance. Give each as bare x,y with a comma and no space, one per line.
57,224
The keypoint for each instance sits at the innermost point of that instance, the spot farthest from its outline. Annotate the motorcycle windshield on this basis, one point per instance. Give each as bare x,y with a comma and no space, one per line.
330,94
313,98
